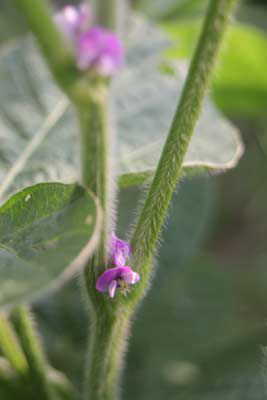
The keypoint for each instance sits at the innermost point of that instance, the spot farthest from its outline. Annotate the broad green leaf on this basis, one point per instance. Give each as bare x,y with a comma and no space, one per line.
11,24
46,232
38,129
240,80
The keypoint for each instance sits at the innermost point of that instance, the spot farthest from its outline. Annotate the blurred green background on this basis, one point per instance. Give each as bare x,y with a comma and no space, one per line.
201,329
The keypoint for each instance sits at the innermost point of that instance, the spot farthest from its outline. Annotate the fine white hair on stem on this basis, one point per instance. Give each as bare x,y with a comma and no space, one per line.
136,212
112,170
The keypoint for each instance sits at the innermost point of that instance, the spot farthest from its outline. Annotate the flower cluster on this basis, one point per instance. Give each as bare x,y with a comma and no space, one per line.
96,48
121,275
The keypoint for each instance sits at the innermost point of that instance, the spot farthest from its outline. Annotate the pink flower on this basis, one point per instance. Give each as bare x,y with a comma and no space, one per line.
113,278
121,250
73,20
100,49
96,48
120,276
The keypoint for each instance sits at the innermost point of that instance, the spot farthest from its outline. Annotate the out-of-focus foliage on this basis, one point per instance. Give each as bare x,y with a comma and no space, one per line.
240,83
240,79
169,9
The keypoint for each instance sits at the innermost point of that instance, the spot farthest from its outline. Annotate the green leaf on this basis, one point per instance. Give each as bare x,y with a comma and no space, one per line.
47,231
240,81
38,129
11,23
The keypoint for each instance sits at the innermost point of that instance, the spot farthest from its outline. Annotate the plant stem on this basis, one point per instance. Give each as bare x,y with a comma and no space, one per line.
112,317
11,349
58,54
151,219
107,345
92,113
32,350
107,13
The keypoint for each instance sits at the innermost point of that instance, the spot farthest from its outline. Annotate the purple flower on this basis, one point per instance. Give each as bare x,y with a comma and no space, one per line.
121,250
121,275
101,50
116,277
73,20
96,48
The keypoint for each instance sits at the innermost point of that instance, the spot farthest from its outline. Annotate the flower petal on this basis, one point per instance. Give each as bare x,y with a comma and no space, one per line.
73,20
100,49
130,277
119,258
121,251
109,275
112,289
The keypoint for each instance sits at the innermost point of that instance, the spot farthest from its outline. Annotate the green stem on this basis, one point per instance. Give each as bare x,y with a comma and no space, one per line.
151,219
112,316
11,349
107,346
107,13
58,54
32,350
92,113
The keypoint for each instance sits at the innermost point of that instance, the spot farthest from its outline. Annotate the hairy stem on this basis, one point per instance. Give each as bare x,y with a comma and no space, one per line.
112,316
95,175
107,344
169,169
33,353
92,114
58,54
